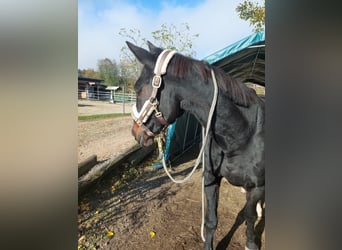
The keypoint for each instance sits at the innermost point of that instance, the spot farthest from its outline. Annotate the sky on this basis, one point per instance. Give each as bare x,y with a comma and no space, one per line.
99,23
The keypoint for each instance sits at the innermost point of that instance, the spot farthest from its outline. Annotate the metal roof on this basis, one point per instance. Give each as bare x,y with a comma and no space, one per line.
244,59
113,88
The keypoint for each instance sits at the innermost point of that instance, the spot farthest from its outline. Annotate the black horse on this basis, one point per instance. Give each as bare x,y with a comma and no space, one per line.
235,145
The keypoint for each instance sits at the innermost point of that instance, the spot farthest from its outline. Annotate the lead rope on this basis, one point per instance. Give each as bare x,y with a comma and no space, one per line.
203,203
201,153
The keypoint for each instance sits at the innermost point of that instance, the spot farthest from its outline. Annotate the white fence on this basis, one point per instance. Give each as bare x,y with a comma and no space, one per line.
106,96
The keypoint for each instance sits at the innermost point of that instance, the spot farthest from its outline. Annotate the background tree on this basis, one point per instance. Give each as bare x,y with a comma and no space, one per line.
91,73
108,71
129,66
167,36
251,11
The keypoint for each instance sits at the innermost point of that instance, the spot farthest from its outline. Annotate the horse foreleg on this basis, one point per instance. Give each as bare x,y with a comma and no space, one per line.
211,189
253,197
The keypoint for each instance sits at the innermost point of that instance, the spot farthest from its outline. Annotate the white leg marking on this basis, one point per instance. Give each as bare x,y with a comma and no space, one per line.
259,209
246,248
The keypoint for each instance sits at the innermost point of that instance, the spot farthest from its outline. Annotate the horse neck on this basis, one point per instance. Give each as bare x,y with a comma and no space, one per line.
231,124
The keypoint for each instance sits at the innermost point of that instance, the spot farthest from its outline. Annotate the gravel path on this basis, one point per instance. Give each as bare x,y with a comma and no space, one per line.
104,137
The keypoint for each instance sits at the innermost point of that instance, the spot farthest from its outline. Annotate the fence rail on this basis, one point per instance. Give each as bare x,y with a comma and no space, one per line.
106,96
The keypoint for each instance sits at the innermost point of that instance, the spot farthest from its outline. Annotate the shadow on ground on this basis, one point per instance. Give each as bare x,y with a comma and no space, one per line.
152,203
85,105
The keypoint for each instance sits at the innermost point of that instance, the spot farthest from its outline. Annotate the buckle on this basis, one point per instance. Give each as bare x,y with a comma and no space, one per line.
156,81
153,101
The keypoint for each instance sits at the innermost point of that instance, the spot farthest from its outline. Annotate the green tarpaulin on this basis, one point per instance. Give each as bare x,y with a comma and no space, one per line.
244,60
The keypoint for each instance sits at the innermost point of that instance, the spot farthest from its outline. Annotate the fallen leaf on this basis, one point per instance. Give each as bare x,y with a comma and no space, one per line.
152,234
110,234
81,238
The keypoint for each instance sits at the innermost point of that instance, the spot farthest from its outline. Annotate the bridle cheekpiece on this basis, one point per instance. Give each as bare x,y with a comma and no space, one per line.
151,105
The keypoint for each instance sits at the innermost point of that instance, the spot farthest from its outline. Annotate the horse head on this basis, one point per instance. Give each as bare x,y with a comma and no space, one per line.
157,104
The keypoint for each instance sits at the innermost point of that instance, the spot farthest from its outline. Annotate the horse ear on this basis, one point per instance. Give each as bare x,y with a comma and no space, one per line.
154,49
144,56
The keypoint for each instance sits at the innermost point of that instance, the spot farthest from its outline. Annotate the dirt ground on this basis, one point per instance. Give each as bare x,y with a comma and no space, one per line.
104,137
140,208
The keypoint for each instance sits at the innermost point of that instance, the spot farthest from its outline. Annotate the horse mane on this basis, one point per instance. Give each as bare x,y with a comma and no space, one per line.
237,91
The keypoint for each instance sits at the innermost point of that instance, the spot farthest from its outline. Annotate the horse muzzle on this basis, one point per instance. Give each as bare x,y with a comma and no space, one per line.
142,135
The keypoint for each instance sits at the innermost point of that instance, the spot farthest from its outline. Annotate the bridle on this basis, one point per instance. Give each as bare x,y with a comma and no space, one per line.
151,104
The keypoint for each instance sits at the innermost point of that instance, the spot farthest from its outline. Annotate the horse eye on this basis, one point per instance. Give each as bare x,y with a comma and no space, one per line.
137,87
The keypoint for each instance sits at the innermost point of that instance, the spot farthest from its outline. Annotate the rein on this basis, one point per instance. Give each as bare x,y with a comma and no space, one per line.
205,133
151,105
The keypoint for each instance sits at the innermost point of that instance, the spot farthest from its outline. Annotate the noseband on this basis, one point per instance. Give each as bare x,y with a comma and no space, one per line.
151,105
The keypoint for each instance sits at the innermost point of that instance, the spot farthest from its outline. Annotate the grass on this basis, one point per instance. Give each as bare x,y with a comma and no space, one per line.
100,116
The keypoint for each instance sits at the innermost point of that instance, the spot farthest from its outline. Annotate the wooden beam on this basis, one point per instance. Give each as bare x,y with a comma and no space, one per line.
86,165
133,156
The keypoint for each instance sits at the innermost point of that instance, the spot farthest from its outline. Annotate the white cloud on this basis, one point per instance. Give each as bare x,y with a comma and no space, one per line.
216,22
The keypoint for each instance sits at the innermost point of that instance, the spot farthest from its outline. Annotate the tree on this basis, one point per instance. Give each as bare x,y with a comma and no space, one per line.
129,66
168,37
108,71
91,73
252,12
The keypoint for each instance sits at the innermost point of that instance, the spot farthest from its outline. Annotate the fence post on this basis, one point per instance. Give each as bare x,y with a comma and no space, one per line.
123,102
